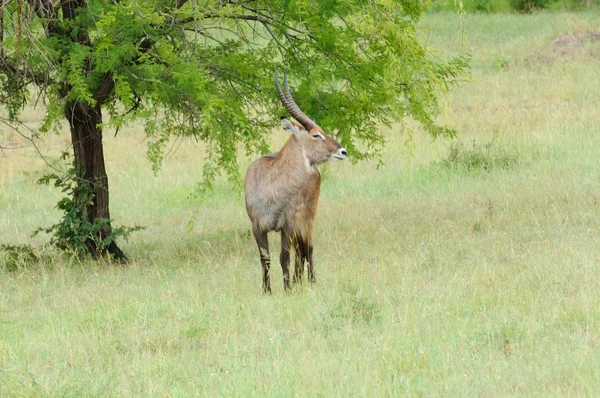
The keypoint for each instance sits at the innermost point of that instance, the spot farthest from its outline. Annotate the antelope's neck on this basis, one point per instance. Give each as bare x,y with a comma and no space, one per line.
292,163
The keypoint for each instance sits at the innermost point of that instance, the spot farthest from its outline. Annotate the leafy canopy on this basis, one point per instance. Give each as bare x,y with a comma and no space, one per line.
205,70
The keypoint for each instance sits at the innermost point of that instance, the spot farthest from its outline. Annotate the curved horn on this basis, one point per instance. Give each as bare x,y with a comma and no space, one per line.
289,103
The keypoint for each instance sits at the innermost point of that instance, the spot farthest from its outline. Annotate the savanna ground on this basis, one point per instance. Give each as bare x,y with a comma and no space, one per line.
460,267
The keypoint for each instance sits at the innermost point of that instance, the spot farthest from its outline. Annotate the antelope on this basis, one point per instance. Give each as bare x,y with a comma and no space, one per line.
282,190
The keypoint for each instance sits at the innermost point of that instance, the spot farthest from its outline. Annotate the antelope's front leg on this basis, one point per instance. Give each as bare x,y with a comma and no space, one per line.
286,242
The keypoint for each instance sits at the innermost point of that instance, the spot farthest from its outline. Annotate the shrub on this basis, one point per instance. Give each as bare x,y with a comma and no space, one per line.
356,306
17,257
494,6
479,157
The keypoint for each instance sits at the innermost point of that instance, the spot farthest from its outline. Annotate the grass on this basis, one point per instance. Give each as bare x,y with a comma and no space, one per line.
458,268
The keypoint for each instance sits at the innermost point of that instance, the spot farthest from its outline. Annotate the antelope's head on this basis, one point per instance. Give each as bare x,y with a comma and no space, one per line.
317,146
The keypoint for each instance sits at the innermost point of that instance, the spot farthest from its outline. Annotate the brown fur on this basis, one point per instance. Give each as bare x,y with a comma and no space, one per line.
282,192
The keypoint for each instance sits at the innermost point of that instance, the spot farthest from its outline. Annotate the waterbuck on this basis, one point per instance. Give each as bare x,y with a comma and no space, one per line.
282,190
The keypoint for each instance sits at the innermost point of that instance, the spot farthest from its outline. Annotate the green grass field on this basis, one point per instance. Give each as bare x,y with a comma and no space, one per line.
459,268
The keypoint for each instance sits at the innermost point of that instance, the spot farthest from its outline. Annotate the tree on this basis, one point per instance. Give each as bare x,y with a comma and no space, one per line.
205,70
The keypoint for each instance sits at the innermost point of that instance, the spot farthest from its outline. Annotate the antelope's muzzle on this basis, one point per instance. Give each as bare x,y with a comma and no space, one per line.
341,154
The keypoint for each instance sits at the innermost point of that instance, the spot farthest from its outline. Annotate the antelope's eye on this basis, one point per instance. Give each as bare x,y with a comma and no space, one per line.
317,136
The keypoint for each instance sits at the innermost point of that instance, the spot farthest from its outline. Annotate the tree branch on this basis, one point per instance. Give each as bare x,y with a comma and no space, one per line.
243,17
31,139
9,65
180,3
46,11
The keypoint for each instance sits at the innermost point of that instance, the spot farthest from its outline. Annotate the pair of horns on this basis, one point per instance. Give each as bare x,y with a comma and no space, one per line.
289,103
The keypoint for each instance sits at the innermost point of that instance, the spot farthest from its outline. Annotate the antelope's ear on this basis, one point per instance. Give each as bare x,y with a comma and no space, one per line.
291,127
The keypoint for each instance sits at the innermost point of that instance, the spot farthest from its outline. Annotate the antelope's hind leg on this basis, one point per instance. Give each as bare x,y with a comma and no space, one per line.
308,249
286,243
265,258
299,261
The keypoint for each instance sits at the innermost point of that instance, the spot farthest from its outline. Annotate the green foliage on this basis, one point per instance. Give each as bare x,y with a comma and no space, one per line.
17,256
75,233
206,72
501,62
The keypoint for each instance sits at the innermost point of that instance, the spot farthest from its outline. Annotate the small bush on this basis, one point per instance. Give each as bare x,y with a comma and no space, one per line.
494,6
16,257
501,62
470,6
479,157
532,5
356,306
487,6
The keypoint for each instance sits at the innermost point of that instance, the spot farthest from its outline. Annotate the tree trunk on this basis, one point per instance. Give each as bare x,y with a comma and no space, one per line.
86,135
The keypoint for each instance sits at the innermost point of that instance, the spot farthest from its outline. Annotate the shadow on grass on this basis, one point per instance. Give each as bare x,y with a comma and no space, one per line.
221,245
